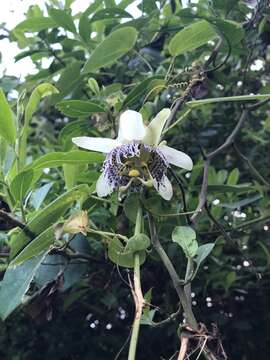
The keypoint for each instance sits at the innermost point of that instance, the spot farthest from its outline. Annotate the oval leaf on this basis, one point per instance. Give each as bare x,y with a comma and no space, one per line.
191,37
62,18
46,217
36,247
76,157
21,184
15,284
118,255
7,124
110,13
39,92
77,108
137,242
112,48
202,253
36,24
139,91
185,236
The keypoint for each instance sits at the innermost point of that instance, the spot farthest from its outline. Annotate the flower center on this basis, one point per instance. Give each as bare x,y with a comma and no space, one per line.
132,165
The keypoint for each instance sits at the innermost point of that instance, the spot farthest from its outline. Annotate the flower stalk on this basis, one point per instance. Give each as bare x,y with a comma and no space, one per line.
137,293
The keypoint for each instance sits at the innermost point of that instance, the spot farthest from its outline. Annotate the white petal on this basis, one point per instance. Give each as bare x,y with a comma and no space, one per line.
154,129
131,126
175,157
104,145
164,189
103,187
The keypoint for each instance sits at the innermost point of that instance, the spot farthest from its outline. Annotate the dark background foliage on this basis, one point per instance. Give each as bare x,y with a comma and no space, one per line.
93,317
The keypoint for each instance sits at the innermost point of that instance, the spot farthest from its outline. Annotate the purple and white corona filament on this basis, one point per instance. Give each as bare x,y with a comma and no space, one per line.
136,158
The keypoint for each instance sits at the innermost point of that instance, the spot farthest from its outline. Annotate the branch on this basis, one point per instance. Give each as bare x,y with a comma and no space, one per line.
172,272
228,142
170,318
185,302
11,220
250,165
179,183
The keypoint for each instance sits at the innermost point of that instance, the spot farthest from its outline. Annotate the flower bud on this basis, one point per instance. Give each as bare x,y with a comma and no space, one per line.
77,223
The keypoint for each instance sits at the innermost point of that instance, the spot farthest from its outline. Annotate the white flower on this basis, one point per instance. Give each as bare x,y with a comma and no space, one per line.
136,157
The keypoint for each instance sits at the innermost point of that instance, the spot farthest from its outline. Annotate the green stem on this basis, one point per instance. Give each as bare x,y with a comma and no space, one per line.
186,113
189,273
108,234
173,274
137,294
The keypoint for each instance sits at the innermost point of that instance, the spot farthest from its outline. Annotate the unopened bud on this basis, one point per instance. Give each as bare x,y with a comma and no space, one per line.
93,85
77,223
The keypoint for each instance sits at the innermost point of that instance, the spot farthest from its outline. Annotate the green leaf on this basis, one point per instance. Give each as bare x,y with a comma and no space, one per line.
110,89
46,217
39,195
241,203
76,108
75,157
233,177
15,284
21,184
232,189
70,175
202,252
231,30
114,46
36,24
27,53
68,82
118,255
195,103
73,270
139,91
110,13
137,242
84,24
131,205
73,129
93,85
191,37
7,124
36,247
148,317
63,19
39,93
88,177
185,236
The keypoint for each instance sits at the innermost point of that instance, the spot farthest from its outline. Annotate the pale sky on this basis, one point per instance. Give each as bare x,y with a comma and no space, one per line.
11,13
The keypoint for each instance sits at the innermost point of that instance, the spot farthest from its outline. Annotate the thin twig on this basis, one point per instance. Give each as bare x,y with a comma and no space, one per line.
179,183
209,157
168,319
251,166
172,272
186,303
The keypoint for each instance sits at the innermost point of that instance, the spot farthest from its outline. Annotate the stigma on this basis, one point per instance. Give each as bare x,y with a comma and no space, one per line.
134,173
